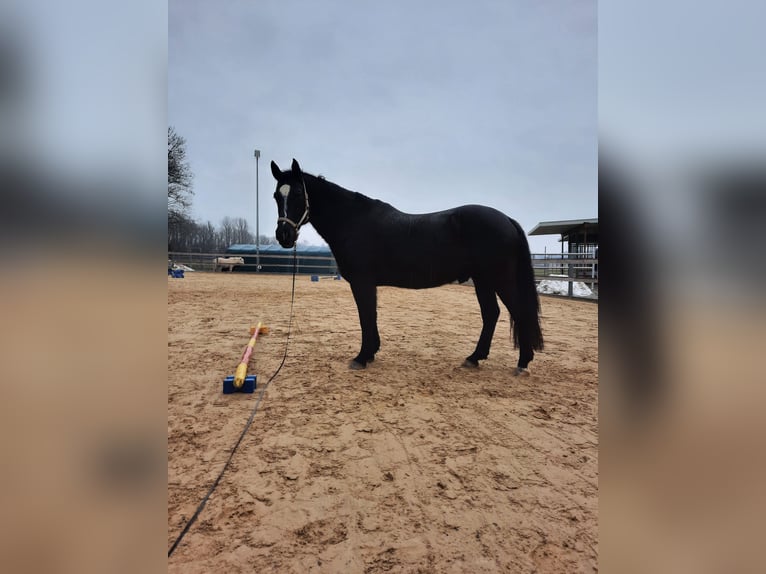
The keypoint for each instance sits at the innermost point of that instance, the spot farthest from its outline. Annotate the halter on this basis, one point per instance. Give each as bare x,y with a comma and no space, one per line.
305,217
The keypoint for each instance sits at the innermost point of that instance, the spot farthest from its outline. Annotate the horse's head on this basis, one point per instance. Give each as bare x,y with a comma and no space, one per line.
292,203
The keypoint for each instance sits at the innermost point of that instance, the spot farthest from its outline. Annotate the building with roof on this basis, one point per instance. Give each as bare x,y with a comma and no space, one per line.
579,261
580,235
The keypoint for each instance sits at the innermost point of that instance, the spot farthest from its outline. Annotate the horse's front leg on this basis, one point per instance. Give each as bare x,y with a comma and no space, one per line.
365,295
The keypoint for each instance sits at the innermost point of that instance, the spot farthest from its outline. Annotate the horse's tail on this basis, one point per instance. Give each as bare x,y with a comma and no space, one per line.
527,311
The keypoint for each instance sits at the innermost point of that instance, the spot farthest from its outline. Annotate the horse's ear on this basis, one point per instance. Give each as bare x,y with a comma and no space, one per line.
295,167
275,171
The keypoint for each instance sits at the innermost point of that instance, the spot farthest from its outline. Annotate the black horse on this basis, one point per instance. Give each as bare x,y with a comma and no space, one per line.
376,244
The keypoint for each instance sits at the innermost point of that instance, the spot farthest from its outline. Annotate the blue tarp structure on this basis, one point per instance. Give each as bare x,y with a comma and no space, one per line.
312,259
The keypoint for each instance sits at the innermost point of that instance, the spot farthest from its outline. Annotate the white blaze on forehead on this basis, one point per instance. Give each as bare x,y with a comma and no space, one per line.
284,190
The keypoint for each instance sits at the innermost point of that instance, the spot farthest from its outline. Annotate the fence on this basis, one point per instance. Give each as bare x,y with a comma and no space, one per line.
269,262
566,267
569,268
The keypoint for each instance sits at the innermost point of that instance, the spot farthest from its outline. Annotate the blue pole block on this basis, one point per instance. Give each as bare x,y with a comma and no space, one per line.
247,387
315,277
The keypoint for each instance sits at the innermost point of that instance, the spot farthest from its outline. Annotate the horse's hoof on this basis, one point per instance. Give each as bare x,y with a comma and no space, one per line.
521,372
356,366
469,364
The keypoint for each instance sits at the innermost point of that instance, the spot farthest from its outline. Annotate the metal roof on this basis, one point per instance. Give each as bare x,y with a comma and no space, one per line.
562,227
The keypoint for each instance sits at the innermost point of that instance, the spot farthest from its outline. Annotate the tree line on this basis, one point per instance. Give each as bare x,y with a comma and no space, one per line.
185,234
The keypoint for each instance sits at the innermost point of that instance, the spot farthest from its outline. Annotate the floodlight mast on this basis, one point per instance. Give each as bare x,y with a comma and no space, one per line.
257,217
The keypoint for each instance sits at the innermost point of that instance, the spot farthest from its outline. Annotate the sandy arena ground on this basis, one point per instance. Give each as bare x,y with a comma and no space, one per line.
412,465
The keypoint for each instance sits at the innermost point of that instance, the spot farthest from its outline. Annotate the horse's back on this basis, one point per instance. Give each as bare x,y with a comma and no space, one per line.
427,250
481,221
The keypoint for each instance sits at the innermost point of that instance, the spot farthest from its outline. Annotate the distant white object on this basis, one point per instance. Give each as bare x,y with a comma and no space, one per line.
230,262
178,266
550,287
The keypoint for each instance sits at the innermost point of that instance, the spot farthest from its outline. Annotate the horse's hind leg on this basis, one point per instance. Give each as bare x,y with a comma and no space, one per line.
526,353
490,311
365,295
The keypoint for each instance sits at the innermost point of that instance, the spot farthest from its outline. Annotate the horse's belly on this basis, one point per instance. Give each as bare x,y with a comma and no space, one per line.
423,277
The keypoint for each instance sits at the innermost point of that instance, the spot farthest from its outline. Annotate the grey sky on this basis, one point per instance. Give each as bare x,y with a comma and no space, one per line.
424,105
682,78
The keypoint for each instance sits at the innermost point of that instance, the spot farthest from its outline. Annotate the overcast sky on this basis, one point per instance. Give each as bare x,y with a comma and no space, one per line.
425,105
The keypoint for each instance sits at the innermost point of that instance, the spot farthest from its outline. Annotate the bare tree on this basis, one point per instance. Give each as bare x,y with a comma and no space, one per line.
227,231
179,178
208,238
181,231
242,231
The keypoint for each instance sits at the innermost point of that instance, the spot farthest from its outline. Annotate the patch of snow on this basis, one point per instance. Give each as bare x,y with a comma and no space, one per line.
550,287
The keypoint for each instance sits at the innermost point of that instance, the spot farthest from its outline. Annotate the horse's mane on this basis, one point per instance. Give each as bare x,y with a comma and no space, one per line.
355,197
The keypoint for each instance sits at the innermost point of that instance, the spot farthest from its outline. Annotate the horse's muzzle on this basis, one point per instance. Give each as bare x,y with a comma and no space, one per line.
286,235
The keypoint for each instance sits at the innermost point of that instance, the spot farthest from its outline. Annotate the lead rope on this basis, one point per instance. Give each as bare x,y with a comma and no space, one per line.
249,421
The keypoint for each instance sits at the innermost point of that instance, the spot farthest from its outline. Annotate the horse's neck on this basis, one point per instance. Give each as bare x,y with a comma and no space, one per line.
330,207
